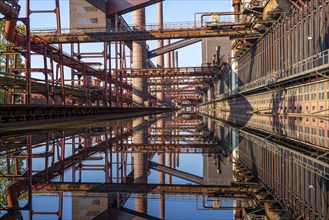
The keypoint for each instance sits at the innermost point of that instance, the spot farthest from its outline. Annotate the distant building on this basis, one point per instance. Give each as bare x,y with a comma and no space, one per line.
87,14
89,206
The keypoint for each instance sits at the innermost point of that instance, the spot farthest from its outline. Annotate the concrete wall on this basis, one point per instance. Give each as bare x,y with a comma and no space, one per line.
86,15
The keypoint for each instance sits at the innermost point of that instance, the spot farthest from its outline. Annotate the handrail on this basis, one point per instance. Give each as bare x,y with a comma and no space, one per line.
34,80
308,63
149,27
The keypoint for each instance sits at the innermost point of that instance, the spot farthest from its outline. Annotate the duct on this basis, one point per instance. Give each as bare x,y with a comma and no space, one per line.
273,9
125,6
274,212
9,12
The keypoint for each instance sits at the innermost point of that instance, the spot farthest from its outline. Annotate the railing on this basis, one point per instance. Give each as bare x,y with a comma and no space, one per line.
204,70
130,28
40,81
309,63
189,25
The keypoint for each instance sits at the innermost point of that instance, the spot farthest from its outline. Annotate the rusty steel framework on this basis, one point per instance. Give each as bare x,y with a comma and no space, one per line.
104,78
98,78
271,101
107,88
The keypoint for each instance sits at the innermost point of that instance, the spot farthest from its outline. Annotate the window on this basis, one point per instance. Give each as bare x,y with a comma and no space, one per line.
321,91
306,95
88,20
313,92
313,135
321,137
300,93
306,134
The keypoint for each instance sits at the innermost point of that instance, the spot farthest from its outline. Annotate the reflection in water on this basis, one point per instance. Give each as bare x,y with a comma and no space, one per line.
160,167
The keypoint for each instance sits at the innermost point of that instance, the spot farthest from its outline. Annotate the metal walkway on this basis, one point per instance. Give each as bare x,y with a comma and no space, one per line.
159,72
39,86
221,190
176,31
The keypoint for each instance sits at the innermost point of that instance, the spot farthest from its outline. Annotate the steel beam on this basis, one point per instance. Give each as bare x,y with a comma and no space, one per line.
171,47
177,173
125,6
224,190
237,31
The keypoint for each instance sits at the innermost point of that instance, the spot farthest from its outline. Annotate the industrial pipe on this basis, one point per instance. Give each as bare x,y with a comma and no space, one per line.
207,14
273,8
10,13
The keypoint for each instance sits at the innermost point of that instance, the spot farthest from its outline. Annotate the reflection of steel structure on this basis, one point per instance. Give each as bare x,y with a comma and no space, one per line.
16,115
288,168
107,149
52,148
296,119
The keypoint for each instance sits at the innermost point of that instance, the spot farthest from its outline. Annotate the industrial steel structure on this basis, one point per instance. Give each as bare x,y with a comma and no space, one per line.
262,91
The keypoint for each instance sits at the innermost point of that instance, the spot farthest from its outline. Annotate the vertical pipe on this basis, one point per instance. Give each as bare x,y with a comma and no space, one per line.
121,44
140,96
168,65
28,55
29,172
46,74
51,57
172,54
176,59
110,73
60,47
72,70
160,59
116,57
105,56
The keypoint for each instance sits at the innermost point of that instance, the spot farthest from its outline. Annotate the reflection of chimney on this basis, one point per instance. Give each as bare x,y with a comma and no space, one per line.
140,165
161,175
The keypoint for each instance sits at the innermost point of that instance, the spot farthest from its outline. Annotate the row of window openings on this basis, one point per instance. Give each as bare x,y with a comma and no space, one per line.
307,133
299,97
292,120
82,9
